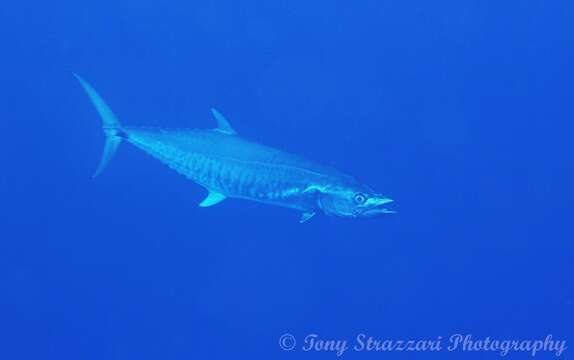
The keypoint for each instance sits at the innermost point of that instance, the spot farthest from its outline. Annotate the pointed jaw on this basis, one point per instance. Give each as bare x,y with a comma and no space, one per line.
375,206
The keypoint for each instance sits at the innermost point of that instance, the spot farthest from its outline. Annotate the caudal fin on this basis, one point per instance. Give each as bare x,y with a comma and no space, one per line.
110,124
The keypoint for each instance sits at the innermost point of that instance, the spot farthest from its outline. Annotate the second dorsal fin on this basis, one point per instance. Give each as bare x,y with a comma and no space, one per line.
222,124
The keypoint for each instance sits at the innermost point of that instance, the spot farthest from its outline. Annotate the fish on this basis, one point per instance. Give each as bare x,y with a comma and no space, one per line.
230,166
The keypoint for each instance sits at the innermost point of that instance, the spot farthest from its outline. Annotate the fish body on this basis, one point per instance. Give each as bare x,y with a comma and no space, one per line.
235,167
229,166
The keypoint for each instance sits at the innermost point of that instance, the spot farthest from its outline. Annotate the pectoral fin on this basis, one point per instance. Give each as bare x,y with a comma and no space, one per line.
306,216
212,199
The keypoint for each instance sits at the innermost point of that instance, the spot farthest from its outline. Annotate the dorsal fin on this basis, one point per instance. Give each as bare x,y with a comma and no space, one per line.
222,124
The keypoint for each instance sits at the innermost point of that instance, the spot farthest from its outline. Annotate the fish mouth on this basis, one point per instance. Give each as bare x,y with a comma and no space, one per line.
375,206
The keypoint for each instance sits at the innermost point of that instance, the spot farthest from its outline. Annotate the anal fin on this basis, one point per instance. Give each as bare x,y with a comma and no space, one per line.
212,198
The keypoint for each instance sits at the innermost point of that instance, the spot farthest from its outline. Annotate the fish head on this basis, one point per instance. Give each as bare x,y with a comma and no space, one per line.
352,201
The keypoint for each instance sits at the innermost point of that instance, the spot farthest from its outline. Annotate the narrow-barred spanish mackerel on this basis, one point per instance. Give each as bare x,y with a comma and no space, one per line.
230,166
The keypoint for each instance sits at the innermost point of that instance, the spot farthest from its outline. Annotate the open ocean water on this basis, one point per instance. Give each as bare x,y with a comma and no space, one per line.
460,111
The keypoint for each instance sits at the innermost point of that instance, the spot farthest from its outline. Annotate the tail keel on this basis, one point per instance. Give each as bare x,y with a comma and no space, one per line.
110,124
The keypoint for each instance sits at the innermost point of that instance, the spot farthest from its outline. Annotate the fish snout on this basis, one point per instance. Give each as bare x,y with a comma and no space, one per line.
374,205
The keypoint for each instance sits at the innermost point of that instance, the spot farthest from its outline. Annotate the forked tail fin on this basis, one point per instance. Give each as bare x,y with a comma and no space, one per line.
110,124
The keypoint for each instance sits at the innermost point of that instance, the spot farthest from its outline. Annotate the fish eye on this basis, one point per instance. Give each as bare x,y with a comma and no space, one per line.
360,198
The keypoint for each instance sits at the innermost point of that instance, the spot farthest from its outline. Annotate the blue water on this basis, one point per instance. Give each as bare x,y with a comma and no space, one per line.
461,111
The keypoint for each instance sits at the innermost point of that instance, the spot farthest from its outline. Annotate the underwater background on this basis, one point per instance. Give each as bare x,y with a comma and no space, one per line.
460,111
